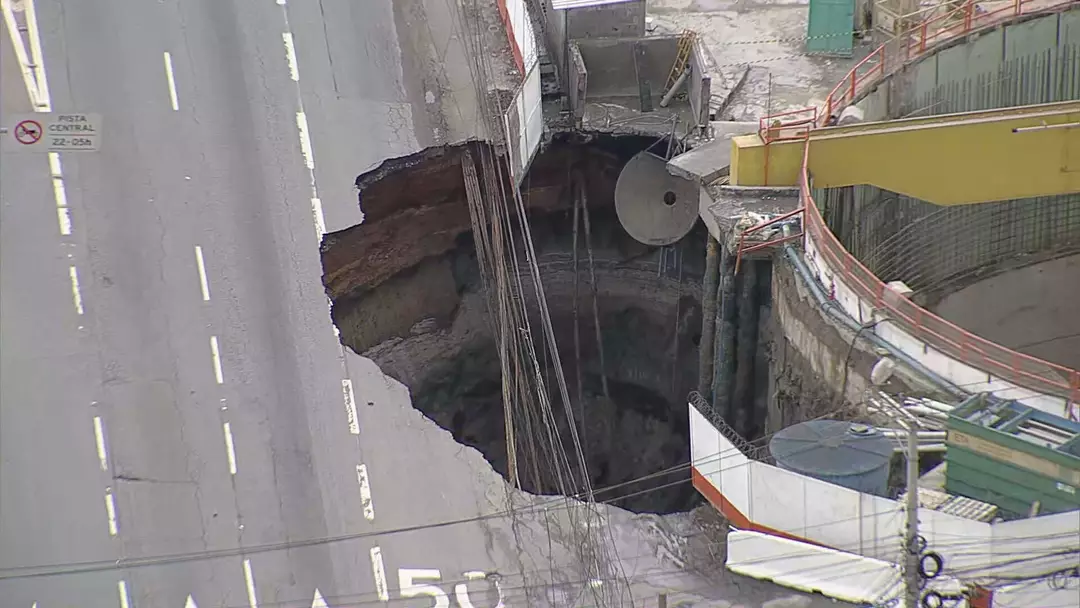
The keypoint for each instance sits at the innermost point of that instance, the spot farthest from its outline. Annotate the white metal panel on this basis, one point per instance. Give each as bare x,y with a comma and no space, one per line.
521,26
843,576
522,137
533,115
810,568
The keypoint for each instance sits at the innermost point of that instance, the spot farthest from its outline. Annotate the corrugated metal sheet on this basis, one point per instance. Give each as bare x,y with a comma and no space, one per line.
1031,62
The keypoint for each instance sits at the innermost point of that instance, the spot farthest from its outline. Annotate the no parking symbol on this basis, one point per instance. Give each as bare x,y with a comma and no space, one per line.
28,132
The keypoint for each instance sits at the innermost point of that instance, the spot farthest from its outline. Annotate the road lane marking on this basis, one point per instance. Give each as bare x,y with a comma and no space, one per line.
125,601
99,439
55,169
190,603
230,448
320,220
75,289
59,192
379,571
215,354
63,214
365,492
37,57
20,51
350,406
249,581
290,56
64,218
305,140
203,283
110,510
172,82
318,601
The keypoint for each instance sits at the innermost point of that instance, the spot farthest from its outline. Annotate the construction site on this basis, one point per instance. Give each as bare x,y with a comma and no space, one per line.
841,314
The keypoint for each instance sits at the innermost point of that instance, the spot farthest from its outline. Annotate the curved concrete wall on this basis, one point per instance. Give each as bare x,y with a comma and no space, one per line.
1029,60
980,71
1031,310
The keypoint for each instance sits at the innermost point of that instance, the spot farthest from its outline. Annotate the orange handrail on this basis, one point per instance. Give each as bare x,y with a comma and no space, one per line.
937,333
914,43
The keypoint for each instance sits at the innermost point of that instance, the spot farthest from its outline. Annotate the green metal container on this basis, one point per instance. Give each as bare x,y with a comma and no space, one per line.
1021,459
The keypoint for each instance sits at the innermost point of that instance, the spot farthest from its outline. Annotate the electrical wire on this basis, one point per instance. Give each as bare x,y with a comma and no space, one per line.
101,565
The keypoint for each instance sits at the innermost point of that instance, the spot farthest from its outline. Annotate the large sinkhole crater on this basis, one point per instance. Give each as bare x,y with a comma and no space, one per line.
407,293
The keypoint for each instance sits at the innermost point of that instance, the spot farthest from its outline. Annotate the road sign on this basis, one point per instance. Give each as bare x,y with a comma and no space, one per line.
58,131
28,132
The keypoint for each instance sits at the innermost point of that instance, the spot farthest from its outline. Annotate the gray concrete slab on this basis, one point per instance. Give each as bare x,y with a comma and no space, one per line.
768,34
711,160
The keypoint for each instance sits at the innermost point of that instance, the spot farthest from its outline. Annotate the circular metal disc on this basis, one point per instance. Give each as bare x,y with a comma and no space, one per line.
654,206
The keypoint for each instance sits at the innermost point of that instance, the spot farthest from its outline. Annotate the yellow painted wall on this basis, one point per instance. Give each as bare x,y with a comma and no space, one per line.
952,159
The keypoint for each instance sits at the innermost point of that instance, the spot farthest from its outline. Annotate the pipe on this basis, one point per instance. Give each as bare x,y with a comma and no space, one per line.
920,434
674,88
708,317
724,365
929,447
745,349
832,309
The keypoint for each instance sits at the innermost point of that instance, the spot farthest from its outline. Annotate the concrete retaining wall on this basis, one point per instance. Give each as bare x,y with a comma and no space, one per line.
981,71
610,64
623,19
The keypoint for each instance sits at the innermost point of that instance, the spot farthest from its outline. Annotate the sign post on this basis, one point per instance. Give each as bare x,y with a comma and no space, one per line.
56,132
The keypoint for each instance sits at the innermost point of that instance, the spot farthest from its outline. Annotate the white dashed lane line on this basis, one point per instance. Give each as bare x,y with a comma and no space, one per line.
63,214
290,56
99,439
350,406
230,448
76,295
125,599
365,492
249,581
204,284
320,220
215,355
110,511
172,82
379,571
305,140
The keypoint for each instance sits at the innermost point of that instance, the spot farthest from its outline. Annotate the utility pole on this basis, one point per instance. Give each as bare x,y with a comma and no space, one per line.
911,532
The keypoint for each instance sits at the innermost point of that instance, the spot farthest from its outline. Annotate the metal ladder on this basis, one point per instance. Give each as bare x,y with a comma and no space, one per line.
682,57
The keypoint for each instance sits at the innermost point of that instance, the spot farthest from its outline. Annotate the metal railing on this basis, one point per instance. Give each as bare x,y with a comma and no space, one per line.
916,41
937,333
980,353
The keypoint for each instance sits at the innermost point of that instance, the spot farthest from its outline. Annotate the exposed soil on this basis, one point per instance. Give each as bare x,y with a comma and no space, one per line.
407,293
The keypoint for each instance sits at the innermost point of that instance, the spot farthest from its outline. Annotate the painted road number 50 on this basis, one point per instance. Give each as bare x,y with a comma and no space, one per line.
413,582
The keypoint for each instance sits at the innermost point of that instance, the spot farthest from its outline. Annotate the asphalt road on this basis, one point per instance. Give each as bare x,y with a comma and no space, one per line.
194,237
186,395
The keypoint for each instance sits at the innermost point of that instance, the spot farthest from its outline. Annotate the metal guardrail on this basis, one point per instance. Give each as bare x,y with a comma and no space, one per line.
980,353
916,41
1020,369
